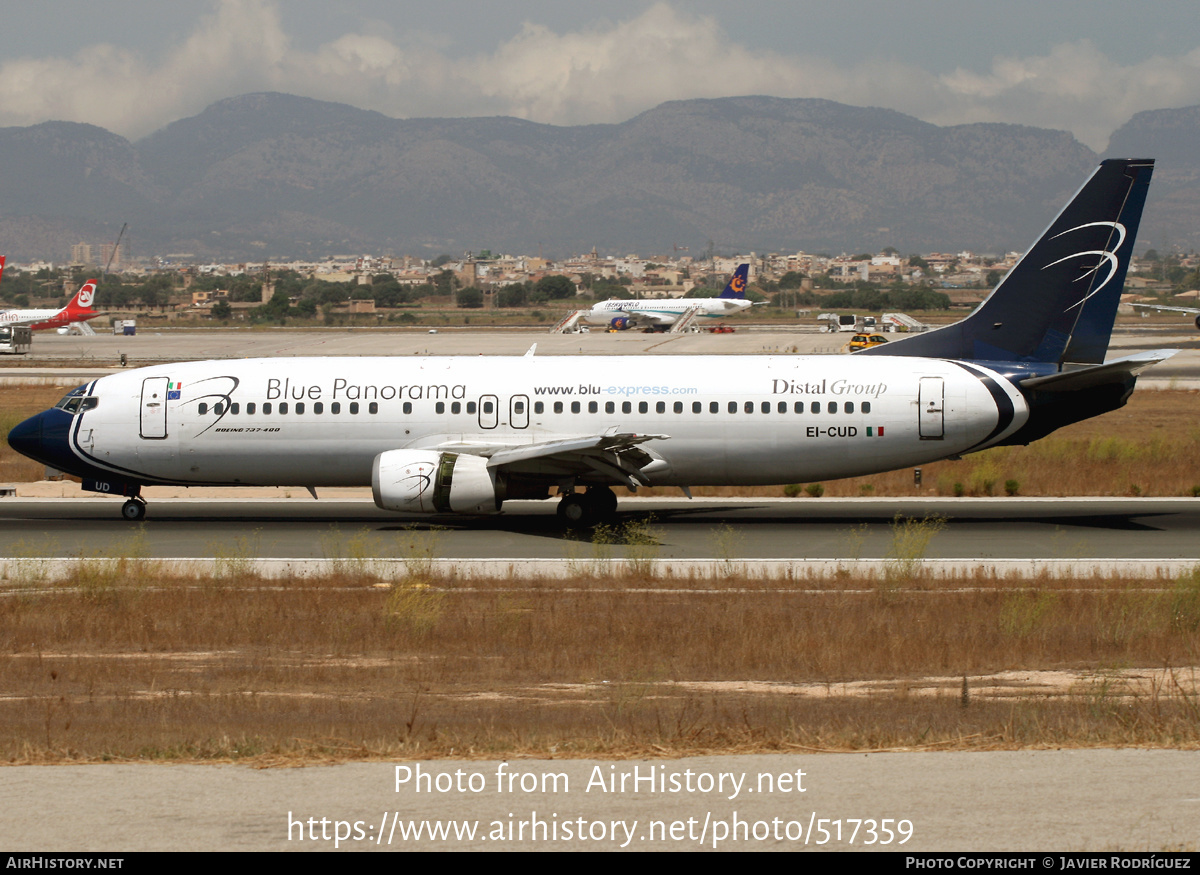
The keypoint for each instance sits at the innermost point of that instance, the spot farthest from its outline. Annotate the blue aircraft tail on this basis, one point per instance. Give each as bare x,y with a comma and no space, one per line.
736,287
1058,304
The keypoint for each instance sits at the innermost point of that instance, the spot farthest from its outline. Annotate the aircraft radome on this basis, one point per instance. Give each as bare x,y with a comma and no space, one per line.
464,434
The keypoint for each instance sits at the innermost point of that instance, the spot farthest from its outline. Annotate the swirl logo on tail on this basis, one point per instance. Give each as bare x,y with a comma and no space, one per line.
1108,257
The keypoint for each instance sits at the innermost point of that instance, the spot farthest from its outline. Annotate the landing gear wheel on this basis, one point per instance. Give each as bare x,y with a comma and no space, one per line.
574,511
602,501
133,510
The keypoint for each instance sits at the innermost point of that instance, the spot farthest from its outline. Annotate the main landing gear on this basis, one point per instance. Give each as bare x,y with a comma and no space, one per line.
134,510
586,509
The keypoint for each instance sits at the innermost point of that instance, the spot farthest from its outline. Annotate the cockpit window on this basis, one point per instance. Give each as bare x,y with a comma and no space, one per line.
73,396
74,401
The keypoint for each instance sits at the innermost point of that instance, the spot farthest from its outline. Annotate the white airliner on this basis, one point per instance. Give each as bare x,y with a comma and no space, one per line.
464,434
659,315
78,309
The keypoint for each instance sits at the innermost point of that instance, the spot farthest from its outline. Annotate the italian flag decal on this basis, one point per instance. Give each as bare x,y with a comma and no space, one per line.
875,431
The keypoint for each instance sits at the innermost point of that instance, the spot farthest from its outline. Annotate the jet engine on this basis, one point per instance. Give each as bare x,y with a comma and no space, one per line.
619,323
427,481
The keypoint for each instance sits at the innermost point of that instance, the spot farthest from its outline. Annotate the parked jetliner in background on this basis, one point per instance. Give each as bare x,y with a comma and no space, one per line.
78,309
660,315
1188,310
463,434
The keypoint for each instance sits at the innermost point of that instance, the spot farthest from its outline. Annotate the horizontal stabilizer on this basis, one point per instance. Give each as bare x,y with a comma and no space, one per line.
1099,375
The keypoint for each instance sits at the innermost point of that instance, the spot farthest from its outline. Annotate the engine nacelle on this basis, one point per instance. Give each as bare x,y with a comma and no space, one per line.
426,481
619,323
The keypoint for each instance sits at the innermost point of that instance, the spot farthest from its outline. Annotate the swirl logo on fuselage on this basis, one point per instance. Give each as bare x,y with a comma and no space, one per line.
1108,257
86,294
222,400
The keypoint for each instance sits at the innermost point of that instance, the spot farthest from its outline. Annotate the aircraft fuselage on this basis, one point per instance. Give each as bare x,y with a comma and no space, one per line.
721,420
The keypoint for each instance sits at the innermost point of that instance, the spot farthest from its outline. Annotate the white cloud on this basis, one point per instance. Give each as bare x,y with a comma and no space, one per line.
602,73
238,48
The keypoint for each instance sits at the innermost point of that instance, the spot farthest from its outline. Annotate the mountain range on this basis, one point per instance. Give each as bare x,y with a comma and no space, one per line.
279,176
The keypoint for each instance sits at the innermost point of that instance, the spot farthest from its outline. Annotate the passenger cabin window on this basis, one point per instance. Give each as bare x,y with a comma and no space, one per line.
866,407
593,407
202,408
266,408
815,407
766,407
236,408
407,408
283,408
849,406
799,408
455,407
660,407
610,407
627,407
749,406
250,408
539,407
335,407
373,407
832,407
783,407
714,406
643,407
354,408
489,407
299,407
439,408
558,408
218,408
697,407
318,407
733,407
575,408
471,407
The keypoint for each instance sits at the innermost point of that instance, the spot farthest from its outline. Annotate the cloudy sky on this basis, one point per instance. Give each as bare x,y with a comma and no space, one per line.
132,66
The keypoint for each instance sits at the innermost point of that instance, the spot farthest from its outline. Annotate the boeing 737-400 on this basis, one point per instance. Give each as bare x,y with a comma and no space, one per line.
659,315
465,434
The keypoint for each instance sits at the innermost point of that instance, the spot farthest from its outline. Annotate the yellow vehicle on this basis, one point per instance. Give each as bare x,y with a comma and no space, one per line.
864,341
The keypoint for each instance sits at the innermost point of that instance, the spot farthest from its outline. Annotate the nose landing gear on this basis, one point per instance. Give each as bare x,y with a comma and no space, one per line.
134,509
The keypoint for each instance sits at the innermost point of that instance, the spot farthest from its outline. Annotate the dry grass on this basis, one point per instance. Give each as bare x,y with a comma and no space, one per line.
120,664
19,402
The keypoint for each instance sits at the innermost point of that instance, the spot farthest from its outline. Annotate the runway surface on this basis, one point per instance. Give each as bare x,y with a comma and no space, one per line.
801,528
1033,801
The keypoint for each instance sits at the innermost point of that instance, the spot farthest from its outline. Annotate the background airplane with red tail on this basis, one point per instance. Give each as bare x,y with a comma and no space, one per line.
78,310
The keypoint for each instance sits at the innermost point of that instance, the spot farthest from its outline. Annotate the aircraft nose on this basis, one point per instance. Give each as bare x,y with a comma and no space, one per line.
26,437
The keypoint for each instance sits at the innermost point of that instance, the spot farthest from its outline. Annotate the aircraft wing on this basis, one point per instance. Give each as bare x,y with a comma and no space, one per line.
615,456
1172,309
641,317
